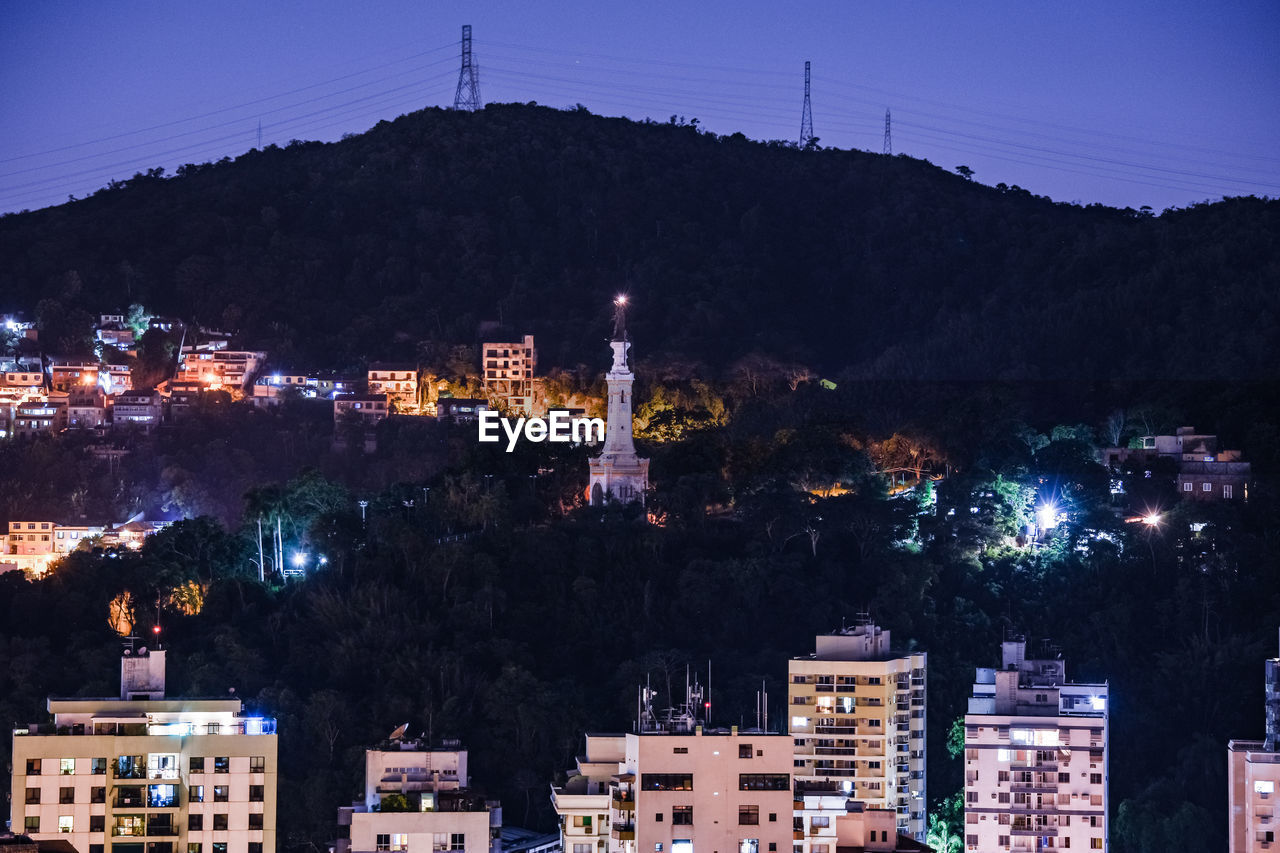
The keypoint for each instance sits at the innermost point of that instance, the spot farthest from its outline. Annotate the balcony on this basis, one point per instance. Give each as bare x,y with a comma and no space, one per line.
623,831
1033,830
623,802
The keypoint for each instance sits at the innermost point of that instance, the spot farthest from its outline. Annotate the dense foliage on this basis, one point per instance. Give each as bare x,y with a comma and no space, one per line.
421,228
538,624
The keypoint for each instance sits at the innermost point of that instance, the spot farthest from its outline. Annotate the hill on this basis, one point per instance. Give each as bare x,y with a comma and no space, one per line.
851,263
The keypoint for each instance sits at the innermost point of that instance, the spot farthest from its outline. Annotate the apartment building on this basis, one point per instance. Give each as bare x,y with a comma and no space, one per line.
218,368
418,799
23,381
137,408
1205,472
871,830
39,416
679,787
86,408
596,805
1253,779
71,375
857,715
1035,758
508,374
399,382
146,774
366,409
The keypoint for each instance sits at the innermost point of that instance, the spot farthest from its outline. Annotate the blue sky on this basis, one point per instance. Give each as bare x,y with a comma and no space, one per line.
1162,104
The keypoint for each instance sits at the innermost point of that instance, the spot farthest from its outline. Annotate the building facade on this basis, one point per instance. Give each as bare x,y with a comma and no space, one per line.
1035,758
1253,778
1204,471
857,715
418,799
399,382
145,774
509,375
679,787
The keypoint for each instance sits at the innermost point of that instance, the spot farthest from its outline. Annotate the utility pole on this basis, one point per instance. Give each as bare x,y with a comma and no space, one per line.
259,134
888,139
468,94
806,116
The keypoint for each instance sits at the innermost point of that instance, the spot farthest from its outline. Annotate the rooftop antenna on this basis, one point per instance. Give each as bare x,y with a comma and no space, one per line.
708,707
888,138
806,115
468,95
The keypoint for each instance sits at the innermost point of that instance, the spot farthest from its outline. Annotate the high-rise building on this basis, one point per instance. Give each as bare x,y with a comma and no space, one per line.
857,716
679,787
508,374
418,799
1035,758
618,474
146,774
1253,777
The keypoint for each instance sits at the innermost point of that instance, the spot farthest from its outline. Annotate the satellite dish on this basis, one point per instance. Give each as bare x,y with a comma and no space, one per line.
142,650
398,734
128,653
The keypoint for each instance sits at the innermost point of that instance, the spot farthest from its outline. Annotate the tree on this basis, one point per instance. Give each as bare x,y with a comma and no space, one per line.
965,172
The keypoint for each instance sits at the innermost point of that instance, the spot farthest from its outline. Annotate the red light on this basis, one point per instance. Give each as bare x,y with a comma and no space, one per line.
707,705
155,629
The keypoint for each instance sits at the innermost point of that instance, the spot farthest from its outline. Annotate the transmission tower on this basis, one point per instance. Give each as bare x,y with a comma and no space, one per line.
806,117
468,94
888,138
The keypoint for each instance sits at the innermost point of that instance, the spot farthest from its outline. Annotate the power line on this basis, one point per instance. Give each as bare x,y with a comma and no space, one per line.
226,109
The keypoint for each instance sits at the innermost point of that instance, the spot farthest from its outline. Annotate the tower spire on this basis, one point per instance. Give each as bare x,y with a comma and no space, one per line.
618,474
620,318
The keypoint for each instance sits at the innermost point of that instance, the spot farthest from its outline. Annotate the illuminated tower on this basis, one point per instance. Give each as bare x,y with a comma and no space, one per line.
617,474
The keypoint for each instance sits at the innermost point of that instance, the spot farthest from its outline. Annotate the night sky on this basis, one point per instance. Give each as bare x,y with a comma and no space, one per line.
1156,103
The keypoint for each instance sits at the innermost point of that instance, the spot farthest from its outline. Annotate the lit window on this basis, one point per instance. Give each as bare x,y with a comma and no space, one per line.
1208,487
798,723
65,823
1264,787
66,766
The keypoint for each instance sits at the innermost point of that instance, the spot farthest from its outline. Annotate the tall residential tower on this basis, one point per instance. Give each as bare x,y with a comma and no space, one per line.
146,774
1253,776
858,721
1035,758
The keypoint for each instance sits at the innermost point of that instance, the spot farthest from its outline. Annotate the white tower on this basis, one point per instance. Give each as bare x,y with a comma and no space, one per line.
617,474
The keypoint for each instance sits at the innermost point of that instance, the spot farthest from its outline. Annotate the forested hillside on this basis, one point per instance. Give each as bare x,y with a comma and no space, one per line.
844,261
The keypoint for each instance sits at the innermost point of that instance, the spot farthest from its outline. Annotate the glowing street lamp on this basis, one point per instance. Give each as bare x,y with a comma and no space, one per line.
1151,519
299,559
1047,515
